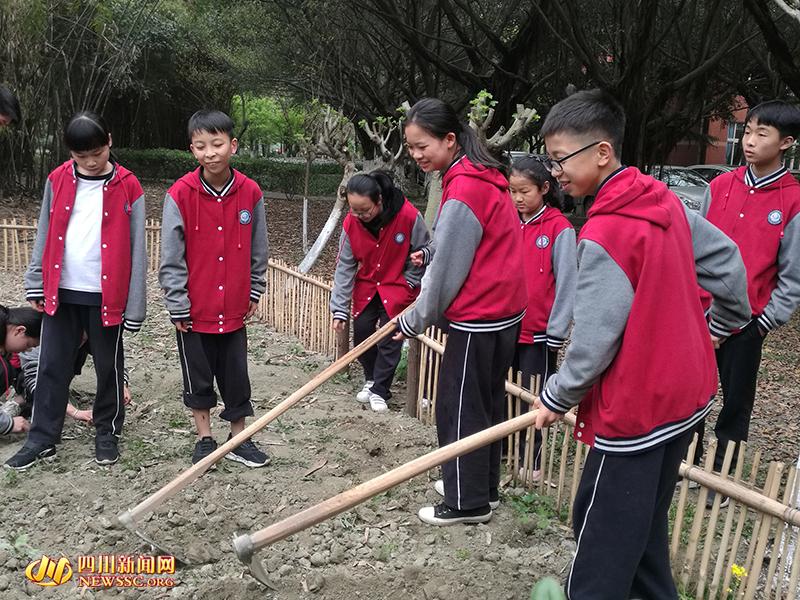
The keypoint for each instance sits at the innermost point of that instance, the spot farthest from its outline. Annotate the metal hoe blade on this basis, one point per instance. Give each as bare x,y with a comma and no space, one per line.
130,525
244,550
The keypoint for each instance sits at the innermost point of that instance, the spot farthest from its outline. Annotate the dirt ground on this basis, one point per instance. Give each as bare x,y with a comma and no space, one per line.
379,550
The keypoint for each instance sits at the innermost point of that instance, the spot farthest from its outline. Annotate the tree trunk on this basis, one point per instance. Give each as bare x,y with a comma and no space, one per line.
333,219
305,205
434,198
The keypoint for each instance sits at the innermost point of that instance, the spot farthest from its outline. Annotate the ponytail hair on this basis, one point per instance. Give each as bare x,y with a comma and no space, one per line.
532,167
438,118
376,185
86,131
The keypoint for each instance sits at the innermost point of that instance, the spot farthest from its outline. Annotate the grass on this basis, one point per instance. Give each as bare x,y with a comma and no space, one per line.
533,507
462,554
384,553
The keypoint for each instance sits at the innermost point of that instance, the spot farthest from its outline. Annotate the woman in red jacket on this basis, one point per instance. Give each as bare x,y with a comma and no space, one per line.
373,269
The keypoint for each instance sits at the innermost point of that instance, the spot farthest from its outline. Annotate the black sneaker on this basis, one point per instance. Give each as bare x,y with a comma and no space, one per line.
723,502
248,454
28,455
105,450
203,448
441,514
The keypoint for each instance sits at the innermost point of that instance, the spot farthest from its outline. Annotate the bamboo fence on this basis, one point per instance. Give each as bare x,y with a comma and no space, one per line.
757,534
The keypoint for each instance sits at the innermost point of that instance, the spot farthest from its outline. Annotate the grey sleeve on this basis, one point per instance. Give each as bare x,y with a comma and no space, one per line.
458,233
420,238
705,202
602,305
29,361
135,307
720,271
565,269
343,279
173,275
6,423
259,252
34,285
785,297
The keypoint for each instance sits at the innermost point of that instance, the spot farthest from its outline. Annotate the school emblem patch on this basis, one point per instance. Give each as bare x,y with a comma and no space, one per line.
245,217
127,208
542,242
775,217
400,238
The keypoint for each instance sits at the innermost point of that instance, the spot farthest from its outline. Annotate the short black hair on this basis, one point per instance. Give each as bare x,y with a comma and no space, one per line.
588,112
212,121
85,131
9,105
27,317
781,115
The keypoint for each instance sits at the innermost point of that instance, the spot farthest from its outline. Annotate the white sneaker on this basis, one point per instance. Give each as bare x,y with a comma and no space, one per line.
377,403
438,486
364,394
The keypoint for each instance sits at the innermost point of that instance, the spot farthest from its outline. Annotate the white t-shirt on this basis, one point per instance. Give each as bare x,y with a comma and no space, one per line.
81,267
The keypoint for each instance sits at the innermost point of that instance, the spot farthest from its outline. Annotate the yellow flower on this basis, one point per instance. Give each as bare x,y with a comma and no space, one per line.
738,571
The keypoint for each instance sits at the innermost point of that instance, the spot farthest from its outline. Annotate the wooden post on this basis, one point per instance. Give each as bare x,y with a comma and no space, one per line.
412,376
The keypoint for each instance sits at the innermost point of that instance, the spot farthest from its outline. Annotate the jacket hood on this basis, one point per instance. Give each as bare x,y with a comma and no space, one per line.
632,194
466,168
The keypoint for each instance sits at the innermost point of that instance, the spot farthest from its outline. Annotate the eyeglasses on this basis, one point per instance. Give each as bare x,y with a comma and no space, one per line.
365,214
555,165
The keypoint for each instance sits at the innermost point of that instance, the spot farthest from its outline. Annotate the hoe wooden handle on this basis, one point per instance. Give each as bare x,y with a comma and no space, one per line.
246,545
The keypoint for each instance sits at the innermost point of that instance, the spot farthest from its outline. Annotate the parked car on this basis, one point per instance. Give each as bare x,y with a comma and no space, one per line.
708,172
687,184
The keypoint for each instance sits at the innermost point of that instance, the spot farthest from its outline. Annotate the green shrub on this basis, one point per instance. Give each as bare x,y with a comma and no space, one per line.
272,175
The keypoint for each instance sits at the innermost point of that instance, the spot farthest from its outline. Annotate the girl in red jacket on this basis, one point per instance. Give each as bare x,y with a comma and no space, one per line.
373,268
476,283
551,270
87,273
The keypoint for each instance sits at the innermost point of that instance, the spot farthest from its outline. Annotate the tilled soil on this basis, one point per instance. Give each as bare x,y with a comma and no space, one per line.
378,550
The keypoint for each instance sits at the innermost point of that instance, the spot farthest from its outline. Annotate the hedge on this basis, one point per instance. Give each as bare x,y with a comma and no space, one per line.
272,175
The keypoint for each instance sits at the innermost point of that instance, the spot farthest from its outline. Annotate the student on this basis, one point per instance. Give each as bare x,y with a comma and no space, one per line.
757,206
373,268
213,265
87,273
476,281
10,113
551,269
20,328
640,365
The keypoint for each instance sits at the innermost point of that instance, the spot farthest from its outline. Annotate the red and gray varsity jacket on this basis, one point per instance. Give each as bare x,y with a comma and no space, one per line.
640,365
764,221
551,270
214,252
122,236
367,266
476,279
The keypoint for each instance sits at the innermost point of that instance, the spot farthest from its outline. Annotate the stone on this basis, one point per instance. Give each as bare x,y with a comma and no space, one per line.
316,582
317,560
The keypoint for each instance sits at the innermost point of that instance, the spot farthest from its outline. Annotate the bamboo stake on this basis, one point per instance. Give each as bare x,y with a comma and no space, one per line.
552,434
723,545
763,538
776,544
795,570
740,523
677,526
711,527
786,537
576,469
562,469
697,522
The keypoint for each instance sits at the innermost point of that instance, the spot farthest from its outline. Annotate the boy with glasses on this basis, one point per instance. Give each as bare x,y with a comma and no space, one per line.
640,366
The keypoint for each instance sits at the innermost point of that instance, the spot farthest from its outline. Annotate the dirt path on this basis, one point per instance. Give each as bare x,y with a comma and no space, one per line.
379,550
